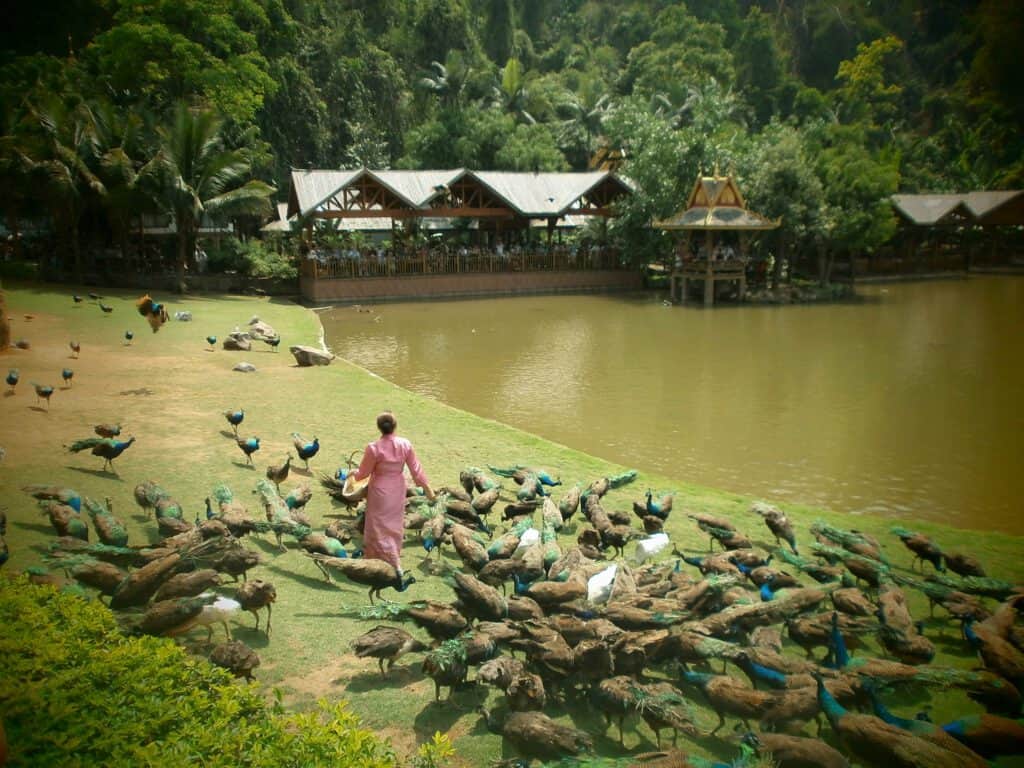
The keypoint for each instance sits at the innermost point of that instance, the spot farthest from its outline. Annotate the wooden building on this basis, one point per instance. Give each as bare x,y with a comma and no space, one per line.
495,208
715,210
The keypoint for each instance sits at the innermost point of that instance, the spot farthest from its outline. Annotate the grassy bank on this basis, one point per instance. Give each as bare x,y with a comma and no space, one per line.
169,391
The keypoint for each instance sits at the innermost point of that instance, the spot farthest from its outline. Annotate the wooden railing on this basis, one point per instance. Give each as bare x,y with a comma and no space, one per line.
445,261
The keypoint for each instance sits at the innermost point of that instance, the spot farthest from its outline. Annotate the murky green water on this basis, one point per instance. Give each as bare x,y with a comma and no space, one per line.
910,403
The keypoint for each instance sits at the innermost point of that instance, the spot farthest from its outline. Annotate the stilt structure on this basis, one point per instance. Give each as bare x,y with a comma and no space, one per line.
715,208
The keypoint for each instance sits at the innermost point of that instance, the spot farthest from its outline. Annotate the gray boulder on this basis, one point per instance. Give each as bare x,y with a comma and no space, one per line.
262,331
311,355
238,342
244,368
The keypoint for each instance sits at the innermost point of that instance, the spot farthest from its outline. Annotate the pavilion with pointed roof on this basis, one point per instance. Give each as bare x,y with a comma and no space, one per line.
715,208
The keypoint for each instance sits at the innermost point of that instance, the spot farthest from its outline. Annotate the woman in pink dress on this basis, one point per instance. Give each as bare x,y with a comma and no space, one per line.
383,462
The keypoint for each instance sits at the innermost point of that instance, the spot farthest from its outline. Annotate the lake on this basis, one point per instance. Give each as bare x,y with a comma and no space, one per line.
907,403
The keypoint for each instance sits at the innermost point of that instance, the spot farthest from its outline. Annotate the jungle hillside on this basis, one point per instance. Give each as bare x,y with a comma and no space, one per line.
823,108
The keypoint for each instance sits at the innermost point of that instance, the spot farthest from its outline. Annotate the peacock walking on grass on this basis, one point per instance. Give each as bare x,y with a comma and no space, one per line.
248,446
43,392
235,418
105,447
440,620
306,450
212,341
370,572
923,548
65,520
12,379
446,666
386,644
255,595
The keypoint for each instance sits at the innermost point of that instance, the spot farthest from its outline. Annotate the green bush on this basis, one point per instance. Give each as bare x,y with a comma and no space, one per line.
252,258
75,692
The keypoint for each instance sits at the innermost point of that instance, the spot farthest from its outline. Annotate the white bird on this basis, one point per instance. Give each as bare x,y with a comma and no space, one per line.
217,612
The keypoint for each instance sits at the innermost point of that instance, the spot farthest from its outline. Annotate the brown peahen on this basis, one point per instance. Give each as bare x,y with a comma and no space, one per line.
386,644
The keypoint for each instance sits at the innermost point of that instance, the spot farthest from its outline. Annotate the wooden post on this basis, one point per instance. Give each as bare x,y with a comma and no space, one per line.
709,280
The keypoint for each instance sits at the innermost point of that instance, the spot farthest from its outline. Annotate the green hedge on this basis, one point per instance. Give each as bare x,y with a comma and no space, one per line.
75,692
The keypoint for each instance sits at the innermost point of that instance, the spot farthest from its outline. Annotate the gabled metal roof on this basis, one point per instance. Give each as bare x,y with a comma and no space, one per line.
981,204
926,209
417,188
311,189
540,195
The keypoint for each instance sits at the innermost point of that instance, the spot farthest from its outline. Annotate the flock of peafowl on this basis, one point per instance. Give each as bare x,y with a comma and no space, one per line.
569,606
590,627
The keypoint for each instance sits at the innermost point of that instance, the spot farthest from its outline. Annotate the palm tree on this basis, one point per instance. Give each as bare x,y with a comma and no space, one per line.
55,157
511,94
447,81
120,149
201,177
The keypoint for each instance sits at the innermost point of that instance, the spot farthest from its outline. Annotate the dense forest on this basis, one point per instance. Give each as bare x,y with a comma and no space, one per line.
823,108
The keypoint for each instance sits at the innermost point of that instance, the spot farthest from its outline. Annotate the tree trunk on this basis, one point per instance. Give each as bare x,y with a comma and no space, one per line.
76,250
5,322
183,240
826,259
780,254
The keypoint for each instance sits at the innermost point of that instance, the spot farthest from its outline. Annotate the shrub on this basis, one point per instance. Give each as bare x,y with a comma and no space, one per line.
252,258
74,691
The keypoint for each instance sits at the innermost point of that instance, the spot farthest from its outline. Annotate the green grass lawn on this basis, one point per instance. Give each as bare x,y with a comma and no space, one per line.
169,391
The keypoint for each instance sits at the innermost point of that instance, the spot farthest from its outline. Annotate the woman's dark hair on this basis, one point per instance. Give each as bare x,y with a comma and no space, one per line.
386,423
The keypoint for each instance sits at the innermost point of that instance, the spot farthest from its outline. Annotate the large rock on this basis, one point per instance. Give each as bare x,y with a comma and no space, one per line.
239,342
262,331
311,355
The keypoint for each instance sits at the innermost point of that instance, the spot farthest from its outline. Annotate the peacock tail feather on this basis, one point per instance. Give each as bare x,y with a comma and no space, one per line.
845,538
975,585
449,654
89,442
223,495
903,533
624,478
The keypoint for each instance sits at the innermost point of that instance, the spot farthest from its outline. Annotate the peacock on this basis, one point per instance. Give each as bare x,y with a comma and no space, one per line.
305,450
212,341
988,735
235,418
43,392
106,308
875,742
67,375
107,448
76,298
12,378
659,508
923,548
65,520
537,734
728,696
76,348
68,496
255,595
107,430
248,446
446,665
273,342
386,644
376,574
921,728
128,336
236,657
778,523
154,311
278,473
109,529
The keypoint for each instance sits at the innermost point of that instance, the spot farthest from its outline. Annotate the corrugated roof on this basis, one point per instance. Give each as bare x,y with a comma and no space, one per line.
540,195
310,189
926,209
722,217
416,188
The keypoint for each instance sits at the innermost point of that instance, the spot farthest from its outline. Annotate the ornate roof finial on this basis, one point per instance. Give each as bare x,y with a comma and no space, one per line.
716,169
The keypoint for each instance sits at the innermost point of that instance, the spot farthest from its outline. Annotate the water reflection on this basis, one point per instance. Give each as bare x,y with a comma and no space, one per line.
905,404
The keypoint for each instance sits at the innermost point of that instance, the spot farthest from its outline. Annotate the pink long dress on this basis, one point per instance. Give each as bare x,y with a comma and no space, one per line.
385,497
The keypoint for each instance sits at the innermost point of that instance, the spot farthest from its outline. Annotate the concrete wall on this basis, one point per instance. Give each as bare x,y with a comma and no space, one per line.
455,286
